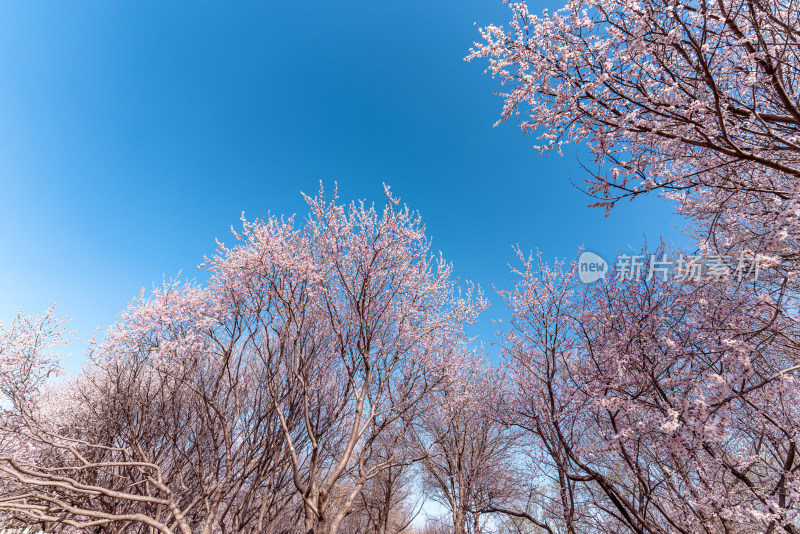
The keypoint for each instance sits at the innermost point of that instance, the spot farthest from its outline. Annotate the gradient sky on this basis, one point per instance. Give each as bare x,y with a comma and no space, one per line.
134,133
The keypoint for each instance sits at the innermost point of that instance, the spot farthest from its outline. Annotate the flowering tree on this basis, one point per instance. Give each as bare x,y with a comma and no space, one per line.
27,361
359,323
469,461
672,94
25,365
260,399
700,100
655,406
389,502
156,435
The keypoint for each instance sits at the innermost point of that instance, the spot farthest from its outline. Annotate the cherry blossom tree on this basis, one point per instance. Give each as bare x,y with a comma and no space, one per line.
26,346
147,440
470,454
698,98
389,502
26,362
655,406
260,401
360,322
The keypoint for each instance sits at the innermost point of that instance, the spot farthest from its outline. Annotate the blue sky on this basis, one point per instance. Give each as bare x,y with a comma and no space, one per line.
134,133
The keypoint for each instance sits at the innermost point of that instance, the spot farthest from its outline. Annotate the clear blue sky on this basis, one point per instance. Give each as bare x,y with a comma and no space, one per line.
132,133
